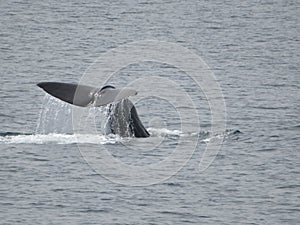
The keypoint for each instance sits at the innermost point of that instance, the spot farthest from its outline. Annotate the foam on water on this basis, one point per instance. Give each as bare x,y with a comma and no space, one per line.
63,138
58,139
164,131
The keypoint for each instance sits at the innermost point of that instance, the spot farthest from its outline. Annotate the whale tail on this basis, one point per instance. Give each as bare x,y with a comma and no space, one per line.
81,95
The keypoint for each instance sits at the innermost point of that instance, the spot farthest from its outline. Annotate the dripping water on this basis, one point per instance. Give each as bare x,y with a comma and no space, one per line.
56,117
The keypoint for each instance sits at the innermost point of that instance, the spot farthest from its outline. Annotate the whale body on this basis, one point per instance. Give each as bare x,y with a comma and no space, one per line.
123,119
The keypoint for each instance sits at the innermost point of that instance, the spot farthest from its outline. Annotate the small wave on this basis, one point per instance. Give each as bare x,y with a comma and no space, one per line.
233,135
233,132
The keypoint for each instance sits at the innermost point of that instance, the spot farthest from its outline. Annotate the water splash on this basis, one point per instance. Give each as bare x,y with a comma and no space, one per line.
55,117
55,126
58,139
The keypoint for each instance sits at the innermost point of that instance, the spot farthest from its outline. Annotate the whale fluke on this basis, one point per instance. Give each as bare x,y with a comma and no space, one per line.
109,94
66,92
124,116
82,95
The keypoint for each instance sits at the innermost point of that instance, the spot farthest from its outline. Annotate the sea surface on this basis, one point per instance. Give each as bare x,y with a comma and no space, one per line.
51,173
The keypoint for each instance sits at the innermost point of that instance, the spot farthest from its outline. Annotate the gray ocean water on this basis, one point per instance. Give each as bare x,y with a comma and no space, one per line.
252,47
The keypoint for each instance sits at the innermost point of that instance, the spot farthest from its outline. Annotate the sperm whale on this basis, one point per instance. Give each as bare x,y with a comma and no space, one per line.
123,118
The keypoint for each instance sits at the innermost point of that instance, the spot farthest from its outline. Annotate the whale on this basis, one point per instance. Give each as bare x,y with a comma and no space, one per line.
123,119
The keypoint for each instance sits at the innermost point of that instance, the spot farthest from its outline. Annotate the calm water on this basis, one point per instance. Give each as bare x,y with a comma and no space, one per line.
252,48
